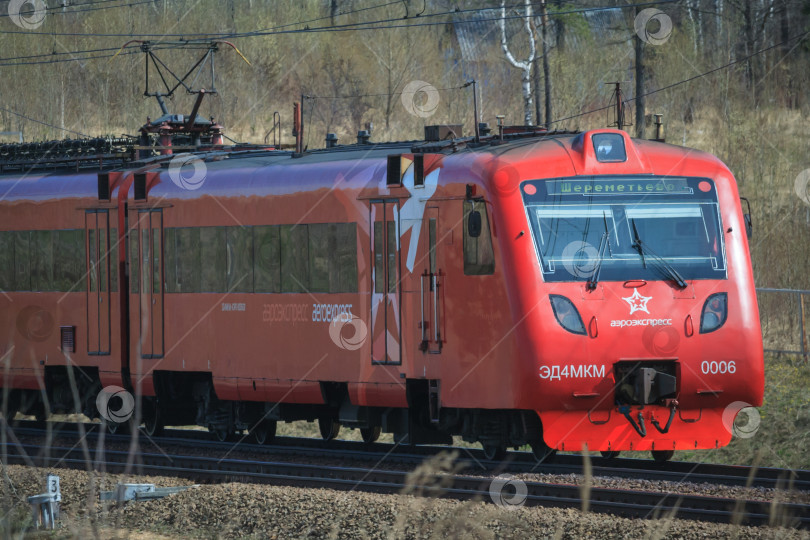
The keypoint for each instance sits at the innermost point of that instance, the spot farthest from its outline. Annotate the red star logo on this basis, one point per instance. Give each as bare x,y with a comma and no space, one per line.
637,302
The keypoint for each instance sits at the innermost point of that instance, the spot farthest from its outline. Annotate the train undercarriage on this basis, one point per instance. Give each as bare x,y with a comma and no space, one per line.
189,398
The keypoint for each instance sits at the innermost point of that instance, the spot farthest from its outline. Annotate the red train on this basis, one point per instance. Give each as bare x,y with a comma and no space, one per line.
544,288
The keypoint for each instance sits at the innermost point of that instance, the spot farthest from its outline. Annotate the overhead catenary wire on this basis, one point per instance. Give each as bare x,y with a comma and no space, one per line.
12,61
60,10
572,117
66,130
690,79
368,25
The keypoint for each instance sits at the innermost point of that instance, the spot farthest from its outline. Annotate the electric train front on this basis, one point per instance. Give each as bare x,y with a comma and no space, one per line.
651,339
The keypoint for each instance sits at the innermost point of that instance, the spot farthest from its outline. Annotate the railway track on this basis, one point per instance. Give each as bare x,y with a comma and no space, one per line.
628,503
472,459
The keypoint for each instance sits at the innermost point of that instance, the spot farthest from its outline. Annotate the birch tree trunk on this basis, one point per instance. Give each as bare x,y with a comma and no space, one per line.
524,65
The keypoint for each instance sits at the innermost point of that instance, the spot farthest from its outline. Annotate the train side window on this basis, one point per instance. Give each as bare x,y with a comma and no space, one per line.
479,258
68,260
22,261
42,260
103,259
113,260
322,251
379,262
294,258
134,264
212,259
7,261
239,259
333,257
347,257
266,259
171,266
182,259
393,270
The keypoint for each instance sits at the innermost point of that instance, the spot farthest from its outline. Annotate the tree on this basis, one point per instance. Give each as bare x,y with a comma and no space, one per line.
525,65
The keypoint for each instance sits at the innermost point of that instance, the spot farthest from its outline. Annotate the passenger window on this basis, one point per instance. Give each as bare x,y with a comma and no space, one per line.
294,258
113,260
239,259
134,263
7,261
22,261
212,259
322,248
69,261
42,260
267,259
479,258
347,257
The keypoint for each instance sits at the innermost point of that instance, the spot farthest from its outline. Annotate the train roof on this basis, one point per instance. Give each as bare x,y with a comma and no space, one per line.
69,169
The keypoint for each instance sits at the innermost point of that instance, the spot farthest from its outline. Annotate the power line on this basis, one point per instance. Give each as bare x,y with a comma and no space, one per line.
44,123
65,10
382,94
274,31
369,25
690,79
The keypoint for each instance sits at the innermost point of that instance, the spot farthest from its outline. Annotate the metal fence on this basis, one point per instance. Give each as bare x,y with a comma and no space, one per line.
784,324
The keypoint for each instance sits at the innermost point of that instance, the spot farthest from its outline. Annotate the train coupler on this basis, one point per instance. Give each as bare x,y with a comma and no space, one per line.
640,428
672,406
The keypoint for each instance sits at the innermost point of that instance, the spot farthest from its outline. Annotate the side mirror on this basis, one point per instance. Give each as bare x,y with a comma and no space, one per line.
474,224
749,223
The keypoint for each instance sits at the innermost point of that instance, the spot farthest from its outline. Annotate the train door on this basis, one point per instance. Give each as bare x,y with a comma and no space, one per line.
150,289
97,250
386,330
431,285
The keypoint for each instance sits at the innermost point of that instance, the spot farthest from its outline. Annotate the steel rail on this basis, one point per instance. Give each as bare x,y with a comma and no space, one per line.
628,503
472,459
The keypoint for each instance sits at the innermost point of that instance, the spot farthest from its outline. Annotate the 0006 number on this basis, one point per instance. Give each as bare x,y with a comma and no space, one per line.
714,367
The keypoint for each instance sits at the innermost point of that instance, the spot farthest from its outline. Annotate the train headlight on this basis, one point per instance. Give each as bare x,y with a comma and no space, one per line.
715,312
566,314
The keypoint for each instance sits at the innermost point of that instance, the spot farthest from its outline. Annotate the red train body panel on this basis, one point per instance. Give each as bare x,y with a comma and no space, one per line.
422,290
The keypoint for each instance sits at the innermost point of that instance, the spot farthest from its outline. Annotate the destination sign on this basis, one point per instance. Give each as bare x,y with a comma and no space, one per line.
662,186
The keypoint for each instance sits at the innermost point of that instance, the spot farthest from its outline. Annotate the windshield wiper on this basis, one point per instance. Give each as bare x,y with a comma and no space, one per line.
604,244
668,268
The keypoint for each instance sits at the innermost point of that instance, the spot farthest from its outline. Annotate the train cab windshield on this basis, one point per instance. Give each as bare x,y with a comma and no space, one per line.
624,228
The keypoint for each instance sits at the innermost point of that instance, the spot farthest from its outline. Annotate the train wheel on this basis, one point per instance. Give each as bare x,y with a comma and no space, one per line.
543,452
370,434
662,456
152,422
222,434
329,428
610,454
114,428
494,452
264,432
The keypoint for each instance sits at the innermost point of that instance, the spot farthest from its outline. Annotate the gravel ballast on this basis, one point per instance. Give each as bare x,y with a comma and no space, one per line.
261,511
